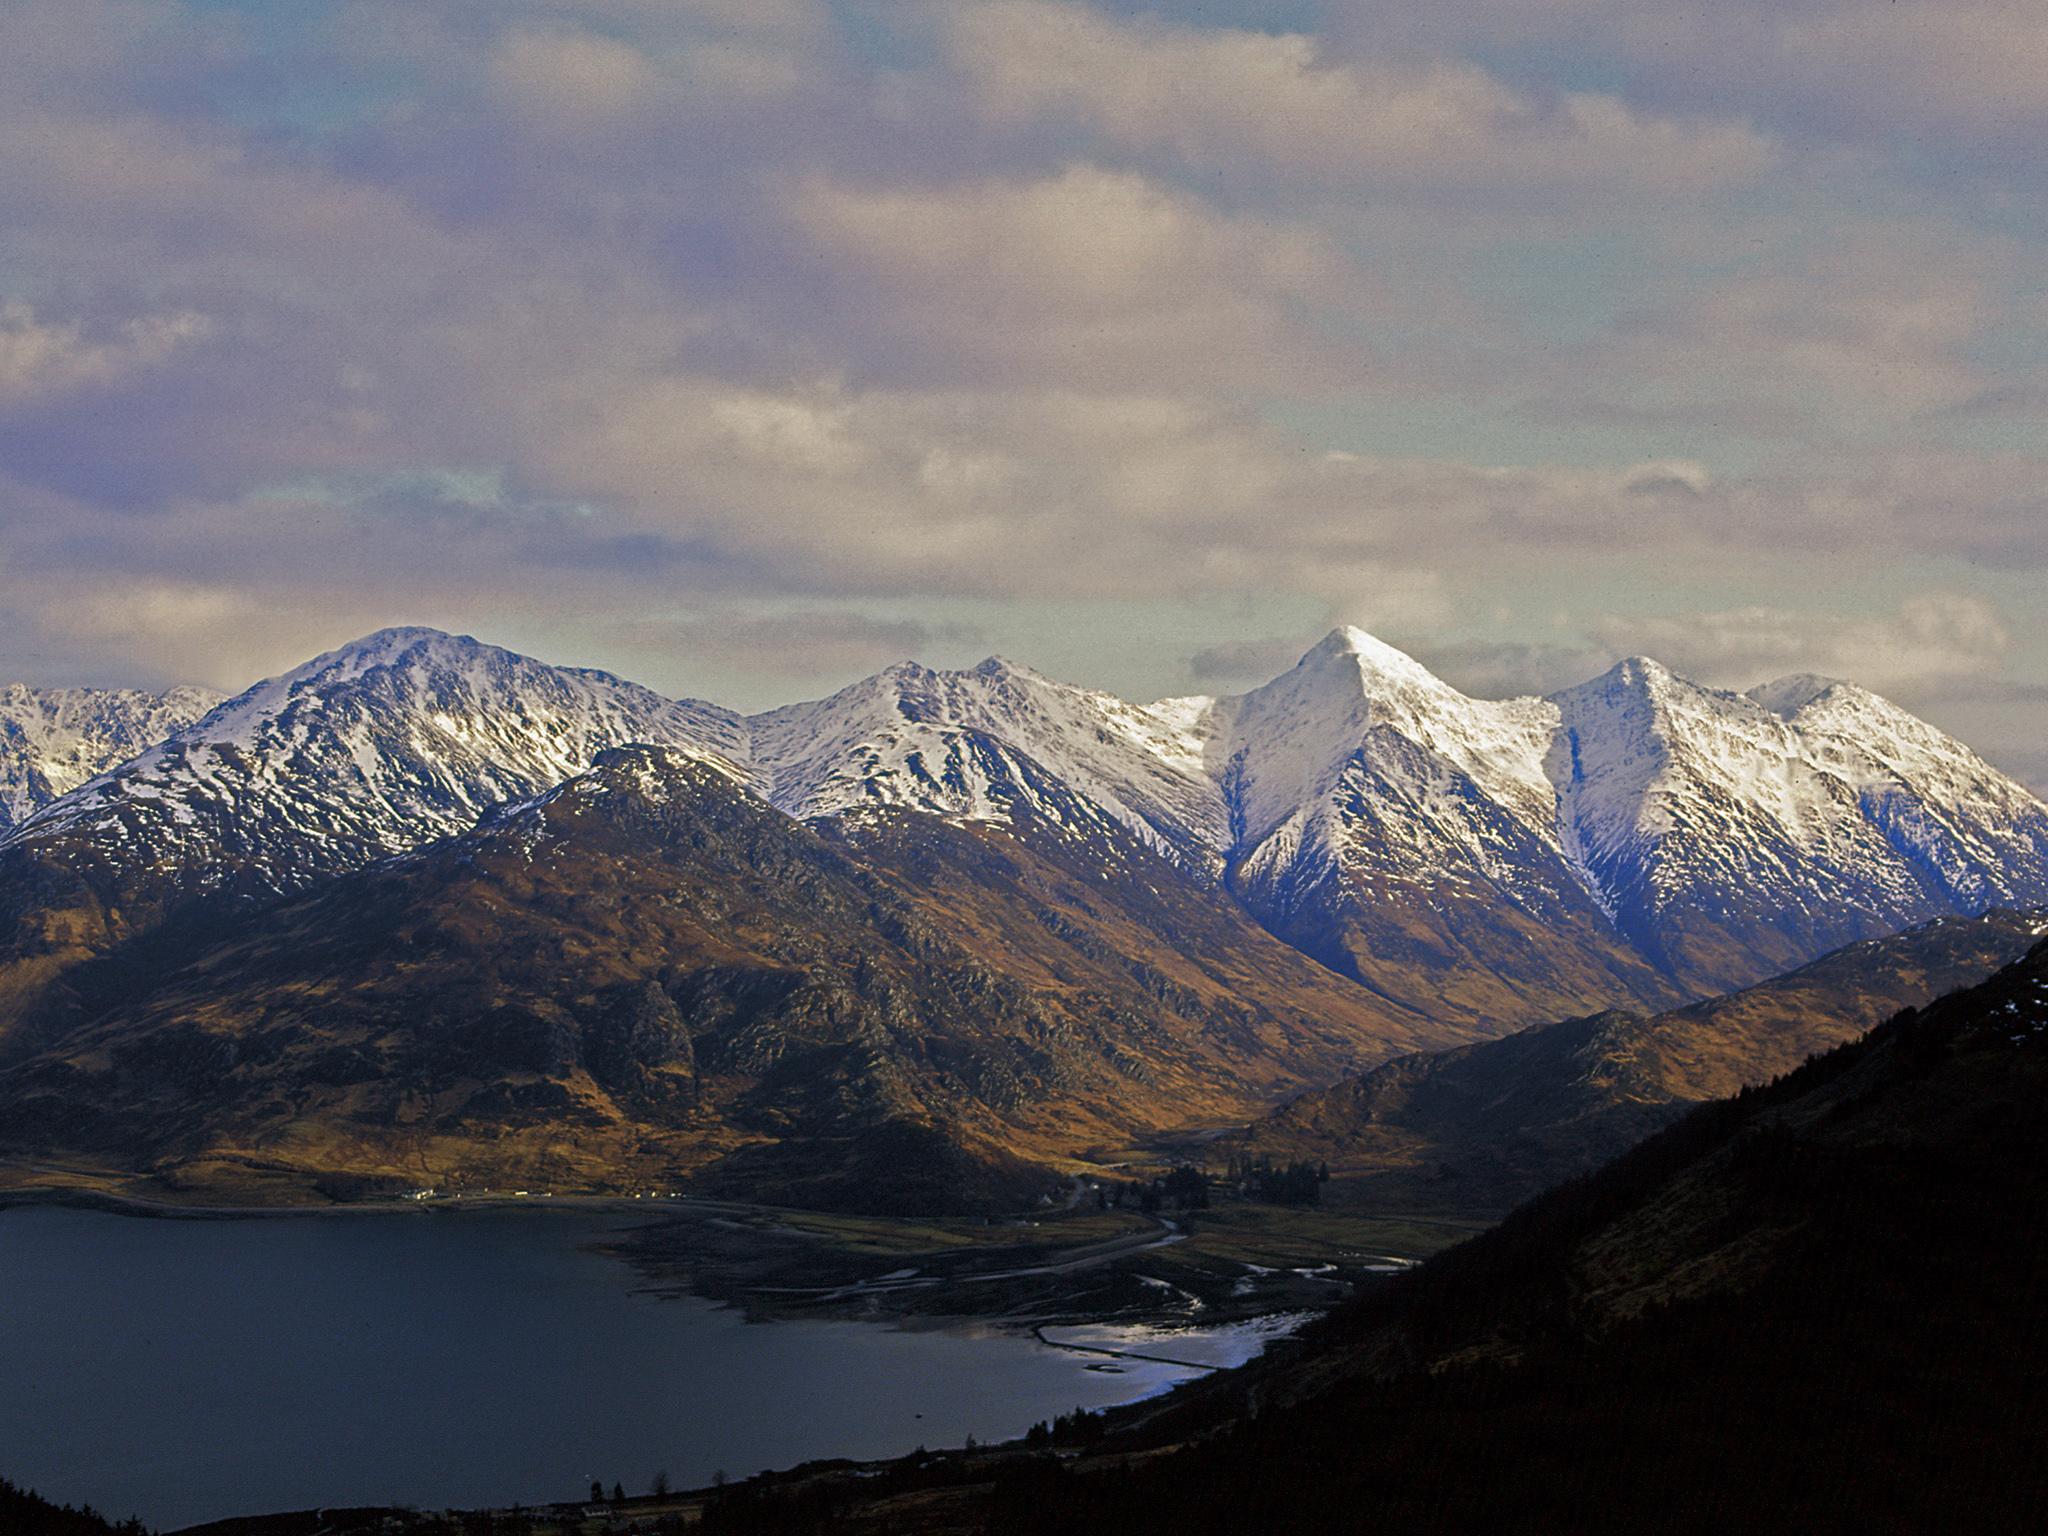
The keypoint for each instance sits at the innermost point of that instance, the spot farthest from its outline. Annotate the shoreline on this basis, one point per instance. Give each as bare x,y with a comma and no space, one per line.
117,1204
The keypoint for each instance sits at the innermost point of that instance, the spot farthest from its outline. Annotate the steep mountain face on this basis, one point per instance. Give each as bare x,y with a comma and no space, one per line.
54,739
1630,843
400,738
370,750
648,973
1406,835
1736,835
988,745
1483,1126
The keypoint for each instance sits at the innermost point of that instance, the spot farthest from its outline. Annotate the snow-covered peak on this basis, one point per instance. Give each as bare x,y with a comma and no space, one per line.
367,750
1684,814
54,739
979,744
1291,739
1372,657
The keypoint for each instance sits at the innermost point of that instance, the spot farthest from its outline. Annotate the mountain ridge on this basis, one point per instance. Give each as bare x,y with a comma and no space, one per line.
1634,841
52,740
647,973
1480,1126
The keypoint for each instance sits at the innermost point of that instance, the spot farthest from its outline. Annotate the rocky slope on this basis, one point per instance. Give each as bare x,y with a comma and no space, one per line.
54,739
648,973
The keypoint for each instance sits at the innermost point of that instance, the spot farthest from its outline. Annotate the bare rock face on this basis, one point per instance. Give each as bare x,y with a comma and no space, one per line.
54,739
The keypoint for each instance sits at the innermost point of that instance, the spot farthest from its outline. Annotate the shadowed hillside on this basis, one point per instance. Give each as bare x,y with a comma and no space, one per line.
1816,1306
1483,1126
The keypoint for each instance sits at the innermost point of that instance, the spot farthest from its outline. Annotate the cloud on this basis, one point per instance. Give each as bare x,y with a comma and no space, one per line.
1512,669
795,643
1954,73
1932,641
1246,663
1259,103
1090,277
41,358
571,79
1878,327
583,321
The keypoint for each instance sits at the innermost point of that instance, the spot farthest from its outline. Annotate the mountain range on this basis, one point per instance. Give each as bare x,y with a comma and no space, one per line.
395,911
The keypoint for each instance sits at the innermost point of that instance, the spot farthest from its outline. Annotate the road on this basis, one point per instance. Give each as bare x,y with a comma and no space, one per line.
1168,1234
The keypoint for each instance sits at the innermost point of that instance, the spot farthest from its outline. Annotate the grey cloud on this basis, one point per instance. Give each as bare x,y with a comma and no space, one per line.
1930,642
1264,104
1967,75
1245,663
722,312
1501,669
801,644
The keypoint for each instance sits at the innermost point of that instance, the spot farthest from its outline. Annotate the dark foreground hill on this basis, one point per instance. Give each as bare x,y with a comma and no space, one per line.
1816,1306
23,1512
1486,1126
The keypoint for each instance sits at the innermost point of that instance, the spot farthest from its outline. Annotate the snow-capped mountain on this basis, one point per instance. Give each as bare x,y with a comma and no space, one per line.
987,744
1629,842
1751,832
397,739
1408,835
53,739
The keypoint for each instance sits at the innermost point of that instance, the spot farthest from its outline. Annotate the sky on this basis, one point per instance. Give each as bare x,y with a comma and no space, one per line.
744,347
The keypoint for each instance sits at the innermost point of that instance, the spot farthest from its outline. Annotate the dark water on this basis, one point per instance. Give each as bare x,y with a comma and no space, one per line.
189,1370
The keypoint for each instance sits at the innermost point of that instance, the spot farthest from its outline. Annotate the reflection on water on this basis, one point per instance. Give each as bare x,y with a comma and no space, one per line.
189,1370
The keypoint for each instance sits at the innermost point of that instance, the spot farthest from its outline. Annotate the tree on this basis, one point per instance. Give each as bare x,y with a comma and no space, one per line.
1188,1187
660,1488
596,1491
618,1493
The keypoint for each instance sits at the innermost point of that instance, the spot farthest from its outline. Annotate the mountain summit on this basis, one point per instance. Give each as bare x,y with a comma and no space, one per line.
403,736
1636,840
